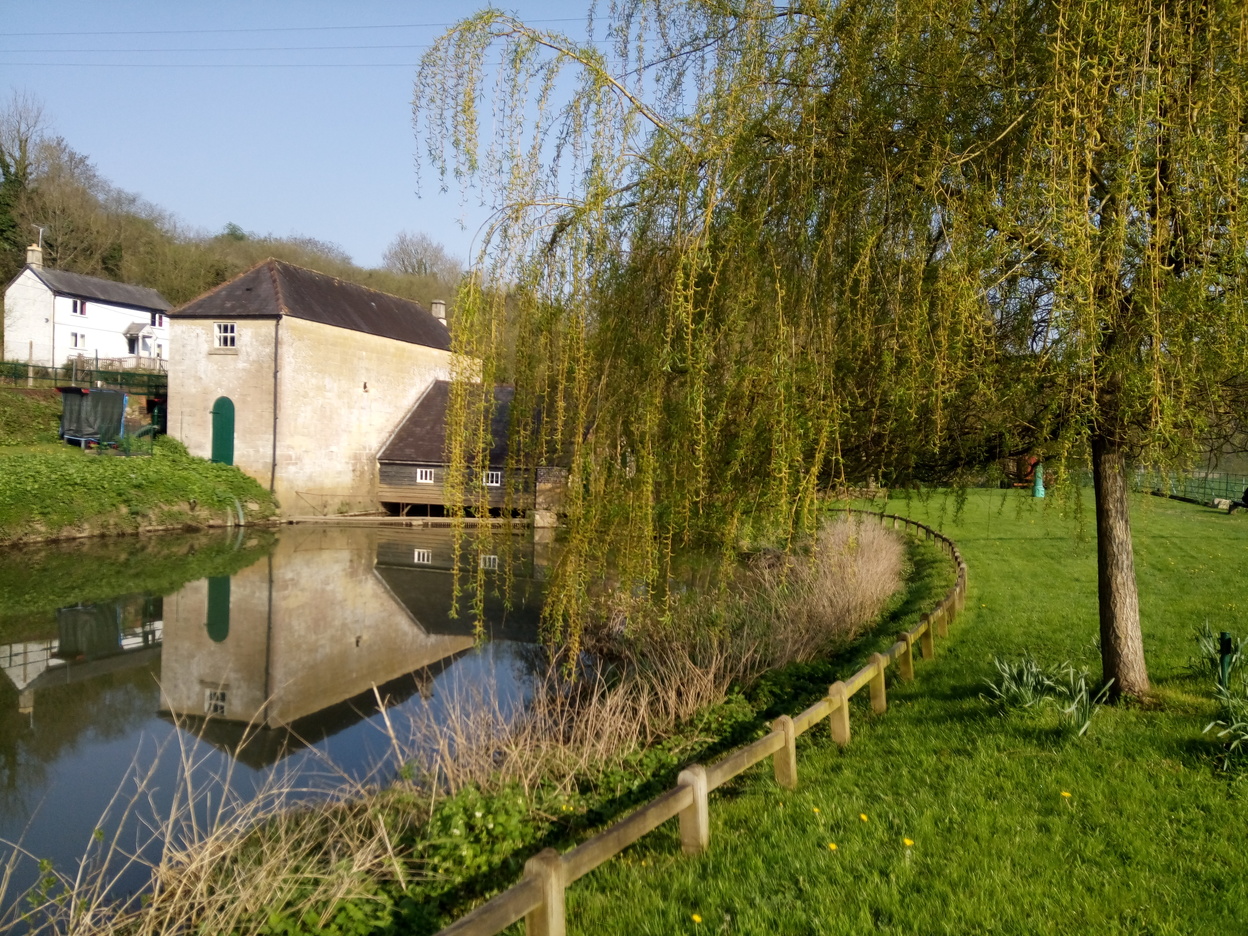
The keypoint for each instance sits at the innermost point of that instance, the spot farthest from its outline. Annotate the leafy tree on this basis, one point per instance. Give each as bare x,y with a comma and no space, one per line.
805,242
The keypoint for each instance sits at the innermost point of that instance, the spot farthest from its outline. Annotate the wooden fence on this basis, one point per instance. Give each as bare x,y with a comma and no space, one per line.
538,898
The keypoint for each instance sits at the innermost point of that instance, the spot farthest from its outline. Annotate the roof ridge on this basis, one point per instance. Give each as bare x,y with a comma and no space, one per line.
282,308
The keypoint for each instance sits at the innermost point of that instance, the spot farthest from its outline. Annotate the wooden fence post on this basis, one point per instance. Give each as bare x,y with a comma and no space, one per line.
695,820
926,640
942,620
905,662
879,697
548,919
838,721
784,761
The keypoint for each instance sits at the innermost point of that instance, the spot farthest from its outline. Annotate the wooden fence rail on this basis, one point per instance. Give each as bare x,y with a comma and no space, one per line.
538,898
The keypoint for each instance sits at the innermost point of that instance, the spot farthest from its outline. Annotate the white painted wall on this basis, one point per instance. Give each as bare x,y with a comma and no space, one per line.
42,328
28,320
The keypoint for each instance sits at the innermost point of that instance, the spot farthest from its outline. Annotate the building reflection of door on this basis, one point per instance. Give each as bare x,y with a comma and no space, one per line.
223,431
219,608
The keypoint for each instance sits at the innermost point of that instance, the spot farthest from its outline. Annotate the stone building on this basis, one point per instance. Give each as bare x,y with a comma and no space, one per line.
299,379
52,317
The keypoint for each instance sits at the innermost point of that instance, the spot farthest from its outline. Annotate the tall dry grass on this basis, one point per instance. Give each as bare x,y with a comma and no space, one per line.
654,672
224,868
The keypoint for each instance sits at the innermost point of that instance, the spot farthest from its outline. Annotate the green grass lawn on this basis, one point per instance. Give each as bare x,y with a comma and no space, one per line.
48,490
1153,838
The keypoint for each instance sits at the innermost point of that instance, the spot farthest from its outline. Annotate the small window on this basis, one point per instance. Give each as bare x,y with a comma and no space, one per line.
160,350
493,479
422,556
158,319
77,340
214,701
78,307
424,476
489,563
224,335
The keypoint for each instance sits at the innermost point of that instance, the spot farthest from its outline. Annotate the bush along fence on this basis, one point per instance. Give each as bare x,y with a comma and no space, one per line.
538,898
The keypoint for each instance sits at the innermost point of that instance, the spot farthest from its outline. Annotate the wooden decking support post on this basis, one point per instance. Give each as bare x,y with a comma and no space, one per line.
838,721
695,820
926,640
784,761
879,697
905,662
548,919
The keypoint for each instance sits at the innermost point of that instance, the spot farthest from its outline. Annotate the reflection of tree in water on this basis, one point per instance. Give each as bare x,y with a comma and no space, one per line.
108,706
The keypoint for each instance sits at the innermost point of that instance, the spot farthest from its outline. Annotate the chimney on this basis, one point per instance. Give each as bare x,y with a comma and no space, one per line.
34,256
438,307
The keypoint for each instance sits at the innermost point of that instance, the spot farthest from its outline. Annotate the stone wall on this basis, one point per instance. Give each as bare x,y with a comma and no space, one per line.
340,395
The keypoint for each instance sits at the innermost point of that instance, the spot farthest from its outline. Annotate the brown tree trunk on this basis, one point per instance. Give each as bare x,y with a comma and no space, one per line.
1122,645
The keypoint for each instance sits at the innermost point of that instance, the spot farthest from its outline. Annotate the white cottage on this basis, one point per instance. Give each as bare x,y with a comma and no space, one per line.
52,317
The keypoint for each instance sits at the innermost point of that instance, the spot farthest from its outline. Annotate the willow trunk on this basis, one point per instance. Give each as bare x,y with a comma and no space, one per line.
1122,644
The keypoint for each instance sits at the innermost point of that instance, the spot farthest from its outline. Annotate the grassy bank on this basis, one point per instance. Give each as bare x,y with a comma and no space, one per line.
50,492
1016,824
29,417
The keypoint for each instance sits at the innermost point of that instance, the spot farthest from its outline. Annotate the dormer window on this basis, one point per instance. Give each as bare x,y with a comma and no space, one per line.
78,306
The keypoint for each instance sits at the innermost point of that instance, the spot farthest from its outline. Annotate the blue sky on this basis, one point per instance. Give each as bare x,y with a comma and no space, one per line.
282,117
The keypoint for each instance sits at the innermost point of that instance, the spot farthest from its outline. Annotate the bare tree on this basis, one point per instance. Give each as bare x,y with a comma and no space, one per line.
22,130
420,255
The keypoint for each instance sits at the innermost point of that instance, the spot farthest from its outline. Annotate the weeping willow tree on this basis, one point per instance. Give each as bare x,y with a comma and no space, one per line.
744,251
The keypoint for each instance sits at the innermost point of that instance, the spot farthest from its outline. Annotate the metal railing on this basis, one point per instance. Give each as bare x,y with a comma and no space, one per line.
538,898
84,373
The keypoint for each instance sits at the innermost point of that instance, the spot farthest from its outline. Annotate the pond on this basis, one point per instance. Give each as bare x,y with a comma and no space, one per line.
245,652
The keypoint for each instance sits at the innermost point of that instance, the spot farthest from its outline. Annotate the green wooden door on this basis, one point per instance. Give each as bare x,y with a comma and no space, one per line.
219,607
223,431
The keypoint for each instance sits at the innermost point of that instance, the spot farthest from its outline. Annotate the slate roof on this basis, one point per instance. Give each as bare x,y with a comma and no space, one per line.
92,287
275,288
421,439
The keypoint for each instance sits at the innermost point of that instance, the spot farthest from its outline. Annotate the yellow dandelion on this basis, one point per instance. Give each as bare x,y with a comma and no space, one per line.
862,816
1065,794
696,918
907,842
814,809
831,846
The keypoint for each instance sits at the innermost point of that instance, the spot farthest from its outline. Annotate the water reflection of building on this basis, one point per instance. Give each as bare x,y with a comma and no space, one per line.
92,639
283,644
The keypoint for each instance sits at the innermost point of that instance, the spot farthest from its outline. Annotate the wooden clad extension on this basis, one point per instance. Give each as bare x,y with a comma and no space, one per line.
412,467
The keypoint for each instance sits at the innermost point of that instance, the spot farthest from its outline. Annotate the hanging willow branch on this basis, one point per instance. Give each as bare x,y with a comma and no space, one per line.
753,251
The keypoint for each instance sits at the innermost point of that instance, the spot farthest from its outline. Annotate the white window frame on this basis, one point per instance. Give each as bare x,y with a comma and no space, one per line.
225,336
489,562
492,478
77,339
214,701
422,556
78,307
424,476
158,320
